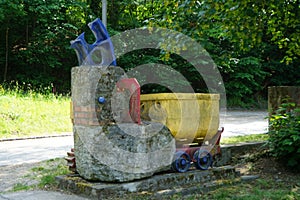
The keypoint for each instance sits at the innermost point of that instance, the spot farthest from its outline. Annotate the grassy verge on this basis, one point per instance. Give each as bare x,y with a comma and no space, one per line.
27,114
245,138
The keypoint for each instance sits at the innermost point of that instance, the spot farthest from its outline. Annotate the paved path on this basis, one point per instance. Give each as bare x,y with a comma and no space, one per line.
34,150
244,122
39,195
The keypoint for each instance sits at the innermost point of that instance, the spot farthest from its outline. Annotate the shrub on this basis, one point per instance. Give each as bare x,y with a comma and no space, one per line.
284,132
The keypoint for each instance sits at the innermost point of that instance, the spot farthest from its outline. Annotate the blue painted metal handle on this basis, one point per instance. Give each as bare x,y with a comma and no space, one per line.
99,30
85,52
81,47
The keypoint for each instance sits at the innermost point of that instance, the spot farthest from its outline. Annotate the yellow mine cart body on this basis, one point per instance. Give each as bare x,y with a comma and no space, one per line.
191,117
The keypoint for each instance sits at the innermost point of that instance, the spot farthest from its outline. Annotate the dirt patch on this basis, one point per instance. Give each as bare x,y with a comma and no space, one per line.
268,168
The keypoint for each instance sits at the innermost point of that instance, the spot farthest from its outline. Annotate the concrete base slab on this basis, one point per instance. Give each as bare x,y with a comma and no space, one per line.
230,151
159,184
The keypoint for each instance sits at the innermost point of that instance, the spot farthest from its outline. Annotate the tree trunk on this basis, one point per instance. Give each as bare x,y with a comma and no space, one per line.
6,55
27,33
113,14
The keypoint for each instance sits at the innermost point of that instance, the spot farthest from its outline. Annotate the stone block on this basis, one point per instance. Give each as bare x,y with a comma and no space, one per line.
88,84
105,148
122,152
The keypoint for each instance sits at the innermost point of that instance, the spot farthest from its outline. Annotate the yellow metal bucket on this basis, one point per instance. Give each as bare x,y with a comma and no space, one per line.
189,116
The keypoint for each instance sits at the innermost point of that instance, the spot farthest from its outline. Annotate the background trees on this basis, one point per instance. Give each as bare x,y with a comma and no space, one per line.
254,43
35,39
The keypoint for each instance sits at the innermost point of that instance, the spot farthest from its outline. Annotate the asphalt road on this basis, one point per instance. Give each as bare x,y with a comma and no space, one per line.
243,122
35,150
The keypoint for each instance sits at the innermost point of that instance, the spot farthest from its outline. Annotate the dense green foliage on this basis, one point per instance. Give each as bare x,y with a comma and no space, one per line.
255,44
35,39
284,134
241,38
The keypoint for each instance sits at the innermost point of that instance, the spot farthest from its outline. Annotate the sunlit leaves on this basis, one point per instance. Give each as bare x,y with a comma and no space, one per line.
249,21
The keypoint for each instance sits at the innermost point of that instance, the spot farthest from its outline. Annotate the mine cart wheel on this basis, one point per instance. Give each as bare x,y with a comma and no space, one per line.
203,159
182,161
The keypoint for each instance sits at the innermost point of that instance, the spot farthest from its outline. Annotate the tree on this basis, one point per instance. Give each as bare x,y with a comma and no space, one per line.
40,33
249,22
253,42
9,10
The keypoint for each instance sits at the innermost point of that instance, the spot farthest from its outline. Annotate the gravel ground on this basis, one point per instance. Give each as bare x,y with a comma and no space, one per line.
16,174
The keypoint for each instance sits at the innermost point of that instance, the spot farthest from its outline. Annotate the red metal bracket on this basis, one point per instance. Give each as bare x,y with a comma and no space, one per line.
131,85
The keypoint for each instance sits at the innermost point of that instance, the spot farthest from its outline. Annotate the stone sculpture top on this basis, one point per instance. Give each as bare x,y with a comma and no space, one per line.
102,49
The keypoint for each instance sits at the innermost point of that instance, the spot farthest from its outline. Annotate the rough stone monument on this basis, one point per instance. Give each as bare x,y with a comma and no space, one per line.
111,144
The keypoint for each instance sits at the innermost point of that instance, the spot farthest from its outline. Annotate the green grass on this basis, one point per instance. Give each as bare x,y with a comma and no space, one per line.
245,138
47,173
33,114
21,186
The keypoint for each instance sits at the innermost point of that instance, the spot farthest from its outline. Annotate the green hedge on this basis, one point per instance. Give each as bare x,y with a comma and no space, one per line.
284,135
